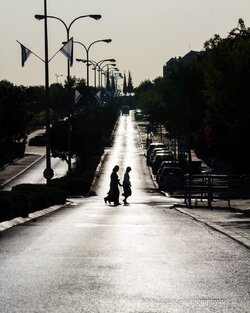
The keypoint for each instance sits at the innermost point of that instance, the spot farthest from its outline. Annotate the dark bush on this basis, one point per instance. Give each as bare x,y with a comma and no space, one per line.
38,141
10,152
41,195
72,185
13,204
6,211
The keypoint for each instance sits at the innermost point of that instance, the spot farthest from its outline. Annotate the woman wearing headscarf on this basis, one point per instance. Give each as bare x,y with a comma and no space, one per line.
114,192
126,185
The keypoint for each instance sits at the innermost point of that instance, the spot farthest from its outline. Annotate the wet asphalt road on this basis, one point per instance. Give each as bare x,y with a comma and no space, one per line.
144,257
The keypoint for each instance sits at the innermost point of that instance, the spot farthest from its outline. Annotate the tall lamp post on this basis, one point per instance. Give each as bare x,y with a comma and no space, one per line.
67,27
100,69
87,53
96,65
48,172
103,72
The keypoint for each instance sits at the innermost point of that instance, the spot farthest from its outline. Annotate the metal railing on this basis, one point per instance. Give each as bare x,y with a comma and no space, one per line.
211,186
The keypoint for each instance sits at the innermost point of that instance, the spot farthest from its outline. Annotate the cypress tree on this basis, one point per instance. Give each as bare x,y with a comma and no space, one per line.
130,87
124,85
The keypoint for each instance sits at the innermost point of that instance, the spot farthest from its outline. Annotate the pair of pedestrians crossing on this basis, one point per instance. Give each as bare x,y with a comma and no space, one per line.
114,192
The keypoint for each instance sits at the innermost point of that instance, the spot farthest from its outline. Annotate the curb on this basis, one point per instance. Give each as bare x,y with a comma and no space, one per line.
32,216
245,242
97,171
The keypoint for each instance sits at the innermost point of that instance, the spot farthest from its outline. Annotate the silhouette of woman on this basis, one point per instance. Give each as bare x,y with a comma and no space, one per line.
114,192
126,185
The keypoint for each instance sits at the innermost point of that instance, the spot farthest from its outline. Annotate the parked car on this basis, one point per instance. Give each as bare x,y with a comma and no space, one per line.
165,164
159,158
125,110
152,146
171,179
156,151
138,115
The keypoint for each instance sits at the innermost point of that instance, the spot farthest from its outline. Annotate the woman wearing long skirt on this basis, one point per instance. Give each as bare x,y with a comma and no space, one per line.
114,192
126,185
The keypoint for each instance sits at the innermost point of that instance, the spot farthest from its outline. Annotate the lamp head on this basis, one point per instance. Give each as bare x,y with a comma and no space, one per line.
95,16
39,17
81,60
107,40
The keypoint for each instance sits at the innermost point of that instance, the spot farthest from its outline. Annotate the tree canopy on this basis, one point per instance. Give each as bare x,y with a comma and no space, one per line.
206,100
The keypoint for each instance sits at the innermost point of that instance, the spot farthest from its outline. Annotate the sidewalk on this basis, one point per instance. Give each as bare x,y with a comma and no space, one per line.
32,155
17,167
232,221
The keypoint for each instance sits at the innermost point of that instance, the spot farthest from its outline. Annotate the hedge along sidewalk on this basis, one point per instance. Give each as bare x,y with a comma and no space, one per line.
12,171
36,214
17,167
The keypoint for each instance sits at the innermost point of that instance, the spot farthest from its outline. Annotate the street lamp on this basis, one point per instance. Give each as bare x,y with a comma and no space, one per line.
87,53
58,75
91,62
67,27
103,72
100,69
48,172
96,66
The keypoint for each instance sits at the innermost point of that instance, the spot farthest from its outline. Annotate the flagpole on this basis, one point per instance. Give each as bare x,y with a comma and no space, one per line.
48,172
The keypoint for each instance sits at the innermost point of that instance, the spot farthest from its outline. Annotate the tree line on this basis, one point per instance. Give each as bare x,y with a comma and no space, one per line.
204,101
22,109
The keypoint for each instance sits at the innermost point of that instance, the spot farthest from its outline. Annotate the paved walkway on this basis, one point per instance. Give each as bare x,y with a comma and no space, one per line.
17,167
32,155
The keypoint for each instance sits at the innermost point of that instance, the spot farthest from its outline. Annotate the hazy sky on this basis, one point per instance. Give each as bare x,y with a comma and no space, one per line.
145,34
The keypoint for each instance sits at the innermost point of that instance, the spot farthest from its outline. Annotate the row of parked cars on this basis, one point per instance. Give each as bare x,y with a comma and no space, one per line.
166,168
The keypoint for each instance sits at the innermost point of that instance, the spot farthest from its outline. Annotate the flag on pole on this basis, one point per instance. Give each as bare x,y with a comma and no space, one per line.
77,96
67,50
25,53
